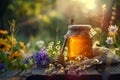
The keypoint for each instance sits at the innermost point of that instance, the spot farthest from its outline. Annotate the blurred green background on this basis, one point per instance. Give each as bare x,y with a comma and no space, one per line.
48,19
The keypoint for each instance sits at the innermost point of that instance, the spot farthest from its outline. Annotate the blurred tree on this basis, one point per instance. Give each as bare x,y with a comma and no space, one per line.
39,18
33,18
3,9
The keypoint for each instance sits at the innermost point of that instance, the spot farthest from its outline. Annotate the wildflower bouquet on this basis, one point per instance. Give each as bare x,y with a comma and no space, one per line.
11,51
45,55
13,54
113,40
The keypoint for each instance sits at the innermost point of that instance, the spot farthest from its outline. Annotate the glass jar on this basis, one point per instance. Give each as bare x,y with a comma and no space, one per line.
79,41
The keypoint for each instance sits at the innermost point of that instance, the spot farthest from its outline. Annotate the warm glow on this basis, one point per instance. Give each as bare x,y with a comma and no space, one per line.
79,45
90,4
104,6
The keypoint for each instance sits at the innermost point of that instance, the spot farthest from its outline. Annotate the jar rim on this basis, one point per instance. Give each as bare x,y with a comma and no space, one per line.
79,27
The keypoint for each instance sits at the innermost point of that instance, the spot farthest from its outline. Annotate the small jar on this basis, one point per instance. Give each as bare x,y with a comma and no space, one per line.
79,41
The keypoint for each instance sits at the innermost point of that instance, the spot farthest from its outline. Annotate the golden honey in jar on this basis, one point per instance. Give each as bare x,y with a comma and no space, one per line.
79,41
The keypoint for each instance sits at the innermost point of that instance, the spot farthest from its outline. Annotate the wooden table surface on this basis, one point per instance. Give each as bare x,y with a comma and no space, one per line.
99,72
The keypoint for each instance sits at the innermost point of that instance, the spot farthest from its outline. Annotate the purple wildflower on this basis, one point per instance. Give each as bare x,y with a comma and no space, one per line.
26,61
41,57
2,66
30,56
44,55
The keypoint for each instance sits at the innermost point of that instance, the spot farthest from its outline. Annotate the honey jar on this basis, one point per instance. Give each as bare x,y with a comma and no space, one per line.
79,41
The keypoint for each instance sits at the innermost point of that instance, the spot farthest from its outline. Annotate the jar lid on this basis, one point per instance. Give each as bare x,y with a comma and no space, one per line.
79,27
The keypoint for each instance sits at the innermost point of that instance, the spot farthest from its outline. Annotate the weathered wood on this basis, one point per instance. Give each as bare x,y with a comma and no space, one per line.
38,71
23,73
89,74
13,78
109,73
10,73
37,77
112,72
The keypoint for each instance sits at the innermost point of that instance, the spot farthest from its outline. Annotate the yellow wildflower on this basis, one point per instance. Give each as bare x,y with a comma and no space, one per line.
3,32
17,54
10,57
14,55
22,45
12,41
4,46
112,33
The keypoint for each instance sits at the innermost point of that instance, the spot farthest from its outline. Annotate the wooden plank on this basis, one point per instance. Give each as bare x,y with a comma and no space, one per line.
9,74
38,71
90,74
87,74
26,73
38,77
13,78
23,73
113,72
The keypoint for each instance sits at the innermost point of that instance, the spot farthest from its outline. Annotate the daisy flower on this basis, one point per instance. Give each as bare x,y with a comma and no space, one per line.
112,30
109,40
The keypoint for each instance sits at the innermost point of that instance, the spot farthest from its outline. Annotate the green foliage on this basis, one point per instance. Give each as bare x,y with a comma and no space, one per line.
36,18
